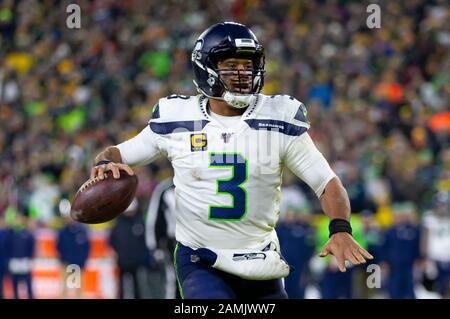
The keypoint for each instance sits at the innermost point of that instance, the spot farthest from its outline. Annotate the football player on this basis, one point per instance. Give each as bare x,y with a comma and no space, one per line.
436,242
228,146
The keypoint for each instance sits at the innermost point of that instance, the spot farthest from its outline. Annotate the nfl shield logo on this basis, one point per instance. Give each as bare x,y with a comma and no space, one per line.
226,137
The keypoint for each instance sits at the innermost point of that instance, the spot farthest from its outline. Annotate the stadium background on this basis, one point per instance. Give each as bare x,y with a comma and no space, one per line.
378,102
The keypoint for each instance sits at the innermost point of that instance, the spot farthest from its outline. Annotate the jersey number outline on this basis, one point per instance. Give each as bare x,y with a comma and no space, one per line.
231,186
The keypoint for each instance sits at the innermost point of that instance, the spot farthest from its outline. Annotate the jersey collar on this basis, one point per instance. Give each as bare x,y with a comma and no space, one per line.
203,101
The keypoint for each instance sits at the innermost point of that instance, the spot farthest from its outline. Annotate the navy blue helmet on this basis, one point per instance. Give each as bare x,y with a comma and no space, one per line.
219,42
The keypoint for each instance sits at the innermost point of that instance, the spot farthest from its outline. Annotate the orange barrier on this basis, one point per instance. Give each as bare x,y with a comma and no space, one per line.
98,279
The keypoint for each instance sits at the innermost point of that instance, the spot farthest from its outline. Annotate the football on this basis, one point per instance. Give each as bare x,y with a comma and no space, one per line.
98,201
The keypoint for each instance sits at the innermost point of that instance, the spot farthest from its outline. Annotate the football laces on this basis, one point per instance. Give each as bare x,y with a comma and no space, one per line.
90,182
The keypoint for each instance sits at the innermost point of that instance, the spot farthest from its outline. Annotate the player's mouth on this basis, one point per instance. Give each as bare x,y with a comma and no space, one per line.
240,88
242,85
238,82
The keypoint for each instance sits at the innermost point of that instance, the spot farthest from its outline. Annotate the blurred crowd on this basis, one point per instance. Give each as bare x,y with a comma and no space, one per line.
411,254
378,99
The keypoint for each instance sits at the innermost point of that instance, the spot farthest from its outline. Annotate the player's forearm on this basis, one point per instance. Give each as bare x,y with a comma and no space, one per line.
111,153
334,200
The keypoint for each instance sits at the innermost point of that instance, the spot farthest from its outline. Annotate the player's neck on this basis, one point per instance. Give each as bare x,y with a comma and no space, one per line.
222,108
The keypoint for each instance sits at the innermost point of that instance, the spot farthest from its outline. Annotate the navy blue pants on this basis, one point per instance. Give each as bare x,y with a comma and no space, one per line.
295,288
197,280
336,284
16,279
401,283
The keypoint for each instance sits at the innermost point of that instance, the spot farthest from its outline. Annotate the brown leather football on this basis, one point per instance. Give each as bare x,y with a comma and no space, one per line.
98,201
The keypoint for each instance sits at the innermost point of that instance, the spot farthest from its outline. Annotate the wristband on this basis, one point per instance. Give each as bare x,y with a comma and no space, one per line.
102,162
339,225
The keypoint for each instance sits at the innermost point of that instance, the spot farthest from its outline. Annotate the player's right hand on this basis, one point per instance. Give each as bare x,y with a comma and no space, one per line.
100,170
344,247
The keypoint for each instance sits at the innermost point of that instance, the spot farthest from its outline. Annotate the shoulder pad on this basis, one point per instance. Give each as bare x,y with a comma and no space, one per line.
293,111
302,113
172,107
177,113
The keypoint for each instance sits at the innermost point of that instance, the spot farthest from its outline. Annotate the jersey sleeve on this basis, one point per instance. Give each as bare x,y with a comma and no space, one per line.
299,153
304,159
141,149
144,148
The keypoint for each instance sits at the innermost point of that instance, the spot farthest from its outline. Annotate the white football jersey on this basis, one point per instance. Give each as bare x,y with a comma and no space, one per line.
438,243
227,179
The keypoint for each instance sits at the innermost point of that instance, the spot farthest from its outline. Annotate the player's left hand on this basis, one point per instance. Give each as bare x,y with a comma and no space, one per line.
344,247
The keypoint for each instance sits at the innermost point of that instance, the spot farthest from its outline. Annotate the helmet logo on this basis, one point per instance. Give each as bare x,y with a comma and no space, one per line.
211,81
196,54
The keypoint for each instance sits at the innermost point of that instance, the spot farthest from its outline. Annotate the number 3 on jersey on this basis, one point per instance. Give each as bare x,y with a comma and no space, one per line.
232,186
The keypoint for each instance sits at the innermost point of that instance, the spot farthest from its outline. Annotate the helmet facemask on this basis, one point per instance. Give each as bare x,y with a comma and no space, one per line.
240,77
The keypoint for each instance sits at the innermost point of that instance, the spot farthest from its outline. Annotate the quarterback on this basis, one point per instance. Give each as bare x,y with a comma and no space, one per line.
228,147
